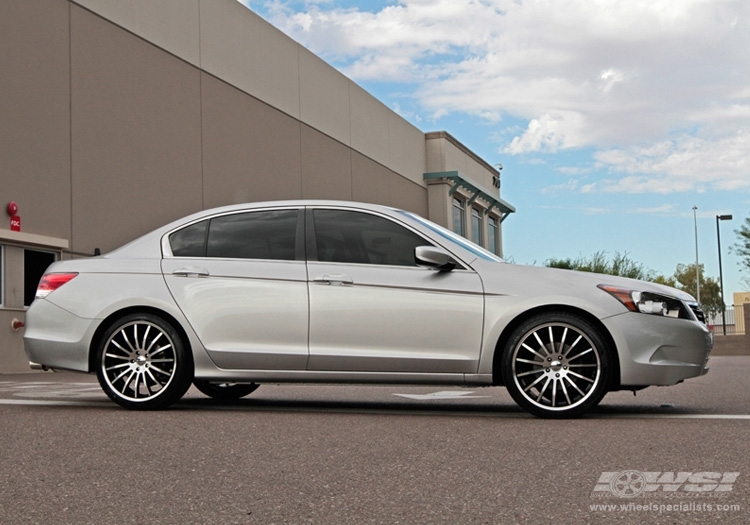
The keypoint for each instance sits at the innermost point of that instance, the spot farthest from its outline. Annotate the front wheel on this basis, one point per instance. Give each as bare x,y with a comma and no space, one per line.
142,363
223,390
556,365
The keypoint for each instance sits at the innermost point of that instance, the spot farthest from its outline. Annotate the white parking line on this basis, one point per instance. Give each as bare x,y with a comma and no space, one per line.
30,402
674,416
448,394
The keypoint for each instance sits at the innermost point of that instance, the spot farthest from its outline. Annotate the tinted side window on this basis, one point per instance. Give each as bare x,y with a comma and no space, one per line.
360,238
254,235
189,241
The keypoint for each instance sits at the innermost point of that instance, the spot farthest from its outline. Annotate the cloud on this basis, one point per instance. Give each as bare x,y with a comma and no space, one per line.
571,184
550,133
664,209
686,164
657,88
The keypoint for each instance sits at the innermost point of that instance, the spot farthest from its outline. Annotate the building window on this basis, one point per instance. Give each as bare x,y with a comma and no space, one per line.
34,265
492,234
476,226
458,217
2,275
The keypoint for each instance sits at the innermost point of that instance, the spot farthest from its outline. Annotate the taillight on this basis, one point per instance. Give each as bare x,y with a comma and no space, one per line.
51,282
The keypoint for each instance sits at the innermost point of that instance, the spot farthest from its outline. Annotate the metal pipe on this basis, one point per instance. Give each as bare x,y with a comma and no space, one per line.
721,276
697,266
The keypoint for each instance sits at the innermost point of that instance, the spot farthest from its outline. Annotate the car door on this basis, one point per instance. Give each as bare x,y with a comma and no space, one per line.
372,309
241,281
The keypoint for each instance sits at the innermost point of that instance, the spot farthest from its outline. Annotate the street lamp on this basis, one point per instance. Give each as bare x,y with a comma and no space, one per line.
721,277
697,268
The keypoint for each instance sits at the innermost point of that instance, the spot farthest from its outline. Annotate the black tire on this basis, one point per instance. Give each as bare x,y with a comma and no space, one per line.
556,365
142,363
223,390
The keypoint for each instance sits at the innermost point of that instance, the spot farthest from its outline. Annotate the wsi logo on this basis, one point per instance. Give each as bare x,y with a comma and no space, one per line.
632,483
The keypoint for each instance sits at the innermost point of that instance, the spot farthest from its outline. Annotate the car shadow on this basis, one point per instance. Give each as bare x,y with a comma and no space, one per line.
455,408
431,408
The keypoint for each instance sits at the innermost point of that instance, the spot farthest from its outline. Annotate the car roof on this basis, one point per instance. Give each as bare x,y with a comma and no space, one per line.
149,244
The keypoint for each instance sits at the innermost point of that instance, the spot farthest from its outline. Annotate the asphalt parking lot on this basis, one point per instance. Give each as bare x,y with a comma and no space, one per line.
374,454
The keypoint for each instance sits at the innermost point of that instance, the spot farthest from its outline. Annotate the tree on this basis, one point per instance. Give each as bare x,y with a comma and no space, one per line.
666,281
684,279
621,265
742,248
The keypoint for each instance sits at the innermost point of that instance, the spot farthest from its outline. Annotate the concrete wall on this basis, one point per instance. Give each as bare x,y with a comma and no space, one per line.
12,361
35,114
445,153
228,41
734,344
741,300
109,135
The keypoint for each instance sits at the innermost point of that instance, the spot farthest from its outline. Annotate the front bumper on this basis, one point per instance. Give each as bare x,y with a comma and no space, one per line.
659,350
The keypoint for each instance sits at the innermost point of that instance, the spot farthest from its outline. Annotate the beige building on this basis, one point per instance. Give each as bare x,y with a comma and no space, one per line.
741,301
119,116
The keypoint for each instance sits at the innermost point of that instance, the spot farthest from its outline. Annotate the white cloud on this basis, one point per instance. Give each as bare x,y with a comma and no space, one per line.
571,184
664,209
550,133
689,163
610,78
659,88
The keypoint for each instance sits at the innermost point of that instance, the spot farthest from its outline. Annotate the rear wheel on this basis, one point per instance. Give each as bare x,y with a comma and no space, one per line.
142,363
224,390
556,365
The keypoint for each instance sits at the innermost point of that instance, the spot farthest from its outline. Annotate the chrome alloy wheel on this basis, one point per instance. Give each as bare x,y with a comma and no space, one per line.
139,362
556,365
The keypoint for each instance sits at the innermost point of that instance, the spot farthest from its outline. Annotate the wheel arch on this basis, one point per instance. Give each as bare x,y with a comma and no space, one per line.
563,308
141,309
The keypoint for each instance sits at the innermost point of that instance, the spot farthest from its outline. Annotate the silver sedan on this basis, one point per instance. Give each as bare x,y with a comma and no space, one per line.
338,292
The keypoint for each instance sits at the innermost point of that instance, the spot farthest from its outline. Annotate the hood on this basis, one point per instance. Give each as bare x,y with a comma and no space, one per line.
558,286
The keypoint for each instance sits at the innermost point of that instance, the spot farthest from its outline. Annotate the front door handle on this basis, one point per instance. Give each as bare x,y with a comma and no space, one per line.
333,279
191,271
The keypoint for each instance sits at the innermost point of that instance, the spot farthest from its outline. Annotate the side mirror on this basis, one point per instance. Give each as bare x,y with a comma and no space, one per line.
433,257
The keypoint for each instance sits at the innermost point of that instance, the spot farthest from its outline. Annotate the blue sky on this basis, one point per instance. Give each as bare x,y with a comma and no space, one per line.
611,118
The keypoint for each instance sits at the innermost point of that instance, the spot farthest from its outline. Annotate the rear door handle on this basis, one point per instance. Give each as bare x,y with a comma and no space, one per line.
191,271
334,279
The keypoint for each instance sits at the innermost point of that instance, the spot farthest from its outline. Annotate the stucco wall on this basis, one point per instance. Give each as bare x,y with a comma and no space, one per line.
734,344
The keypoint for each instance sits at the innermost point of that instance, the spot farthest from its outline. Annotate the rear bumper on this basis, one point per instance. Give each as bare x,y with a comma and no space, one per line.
55,338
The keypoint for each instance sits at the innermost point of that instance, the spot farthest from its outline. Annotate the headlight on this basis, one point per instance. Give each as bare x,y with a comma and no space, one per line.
649,302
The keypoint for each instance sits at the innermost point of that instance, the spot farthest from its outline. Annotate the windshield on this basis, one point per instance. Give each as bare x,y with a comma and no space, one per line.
454,238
